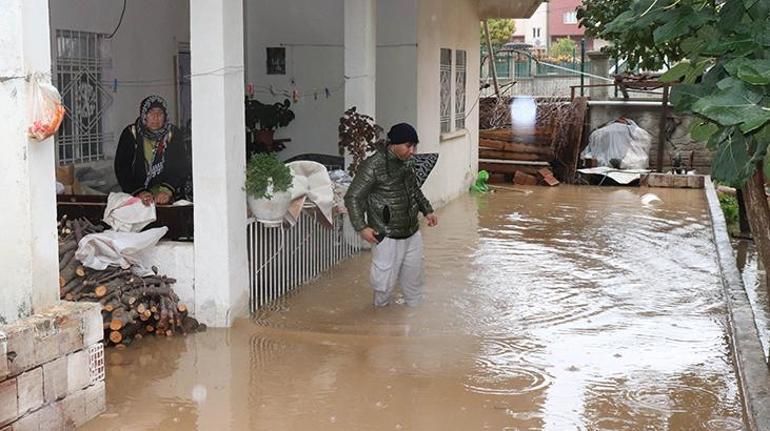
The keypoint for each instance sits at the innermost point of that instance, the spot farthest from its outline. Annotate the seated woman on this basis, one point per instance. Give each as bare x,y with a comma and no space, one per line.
152,162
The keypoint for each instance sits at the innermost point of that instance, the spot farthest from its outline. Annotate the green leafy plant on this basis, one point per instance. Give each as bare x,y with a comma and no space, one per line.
563,49
730,209
263,170
500,32
359,135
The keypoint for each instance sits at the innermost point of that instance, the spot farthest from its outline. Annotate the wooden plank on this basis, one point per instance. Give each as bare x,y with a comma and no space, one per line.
516,135
515,147
506,168
514,162
504,155
524,179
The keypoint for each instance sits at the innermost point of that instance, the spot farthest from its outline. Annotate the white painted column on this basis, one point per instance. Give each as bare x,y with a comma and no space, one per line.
221,278
29,263
360,55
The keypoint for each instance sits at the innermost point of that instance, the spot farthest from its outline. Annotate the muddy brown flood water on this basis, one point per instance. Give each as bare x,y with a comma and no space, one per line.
566,309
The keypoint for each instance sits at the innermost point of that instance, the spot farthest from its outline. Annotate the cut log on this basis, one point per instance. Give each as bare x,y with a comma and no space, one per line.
116,337
100,290
80,271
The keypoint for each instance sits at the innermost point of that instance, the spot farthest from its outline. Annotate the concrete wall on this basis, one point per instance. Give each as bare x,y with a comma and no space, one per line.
313,34
447,24
648,118
28,255
396,62
142,50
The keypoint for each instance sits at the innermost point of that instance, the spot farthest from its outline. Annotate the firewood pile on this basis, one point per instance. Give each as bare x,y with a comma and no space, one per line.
132,306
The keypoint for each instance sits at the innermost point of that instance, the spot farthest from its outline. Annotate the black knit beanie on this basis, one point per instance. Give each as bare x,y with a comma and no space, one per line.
401,133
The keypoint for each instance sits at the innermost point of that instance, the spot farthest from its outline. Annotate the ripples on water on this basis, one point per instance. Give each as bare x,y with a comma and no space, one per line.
571,308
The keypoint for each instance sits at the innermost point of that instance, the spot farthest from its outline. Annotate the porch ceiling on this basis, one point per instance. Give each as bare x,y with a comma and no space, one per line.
507,8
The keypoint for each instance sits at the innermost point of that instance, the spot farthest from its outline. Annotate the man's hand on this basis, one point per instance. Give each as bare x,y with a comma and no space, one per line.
368,234
432,219
162,198
146,198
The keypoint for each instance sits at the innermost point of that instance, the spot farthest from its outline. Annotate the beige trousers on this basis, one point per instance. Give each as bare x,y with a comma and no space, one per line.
397,260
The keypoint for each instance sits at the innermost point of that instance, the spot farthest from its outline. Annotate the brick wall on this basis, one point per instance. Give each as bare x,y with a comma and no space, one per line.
50,377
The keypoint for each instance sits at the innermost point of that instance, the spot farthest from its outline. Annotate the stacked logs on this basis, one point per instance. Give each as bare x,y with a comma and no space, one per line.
132,306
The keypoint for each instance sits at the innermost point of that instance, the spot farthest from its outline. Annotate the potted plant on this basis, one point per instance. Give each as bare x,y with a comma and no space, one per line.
261,122
359,135
268,181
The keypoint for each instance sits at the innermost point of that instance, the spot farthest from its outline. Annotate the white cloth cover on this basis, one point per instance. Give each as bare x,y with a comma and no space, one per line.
100,250
126,213
628,143
311,182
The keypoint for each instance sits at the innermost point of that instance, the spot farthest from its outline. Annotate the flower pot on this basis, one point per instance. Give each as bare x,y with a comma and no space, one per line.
265,138
270,211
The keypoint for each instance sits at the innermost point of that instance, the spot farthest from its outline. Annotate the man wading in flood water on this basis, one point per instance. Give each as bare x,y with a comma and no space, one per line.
385,189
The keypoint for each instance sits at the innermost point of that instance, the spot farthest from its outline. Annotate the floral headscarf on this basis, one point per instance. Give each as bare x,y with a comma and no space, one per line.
148,103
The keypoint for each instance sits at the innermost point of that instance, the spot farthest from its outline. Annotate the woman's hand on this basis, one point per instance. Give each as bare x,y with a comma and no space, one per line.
162,198
146,198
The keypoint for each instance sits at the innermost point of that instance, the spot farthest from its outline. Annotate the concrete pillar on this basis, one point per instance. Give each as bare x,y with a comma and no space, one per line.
29,264
600,66
221,277
360,55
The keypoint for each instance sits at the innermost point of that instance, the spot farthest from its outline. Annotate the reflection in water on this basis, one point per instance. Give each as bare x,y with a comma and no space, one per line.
570,308
755,282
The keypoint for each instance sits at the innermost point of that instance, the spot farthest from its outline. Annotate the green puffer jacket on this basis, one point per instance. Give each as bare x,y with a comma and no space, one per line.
385,188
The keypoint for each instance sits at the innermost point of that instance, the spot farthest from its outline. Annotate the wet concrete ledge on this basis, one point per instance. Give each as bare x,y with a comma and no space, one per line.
753,372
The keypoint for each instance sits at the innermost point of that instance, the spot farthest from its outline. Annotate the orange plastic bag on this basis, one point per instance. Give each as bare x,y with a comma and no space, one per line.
47,111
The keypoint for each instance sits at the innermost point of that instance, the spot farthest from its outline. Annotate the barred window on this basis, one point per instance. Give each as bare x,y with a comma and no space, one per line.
461,77
446,90
80,59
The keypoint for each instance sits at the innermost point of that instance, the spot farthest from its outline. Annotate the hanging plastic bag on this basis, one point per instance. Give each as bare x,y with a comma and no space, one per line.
47,111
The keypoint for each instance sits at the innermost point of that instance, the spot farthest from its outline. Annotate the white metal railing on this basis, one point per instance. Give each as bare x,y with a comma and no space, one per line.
283,258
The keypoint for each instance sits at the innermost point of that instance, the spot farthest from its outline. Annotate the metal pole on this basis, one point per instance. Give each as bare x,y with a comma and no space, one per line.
582,66
662,130
616,73
493,64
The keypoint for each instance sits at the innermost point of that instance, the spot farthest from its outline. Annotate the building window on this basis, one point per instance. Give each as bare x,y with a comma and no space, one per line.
80,60
570,17
276,61
460,81
536,32
446,90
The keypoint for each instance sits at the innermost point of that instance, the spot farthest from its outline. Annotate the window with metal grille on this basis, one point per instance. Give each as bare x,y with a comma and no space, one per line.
80,60
446,90
460,81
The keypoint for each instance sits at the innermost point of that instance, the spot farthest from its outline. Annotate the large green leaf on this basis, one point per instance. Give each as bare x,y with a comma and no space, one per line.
703,130
677,72
760,10
755,72
683,96
697,71
732,164
731,15
733,105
